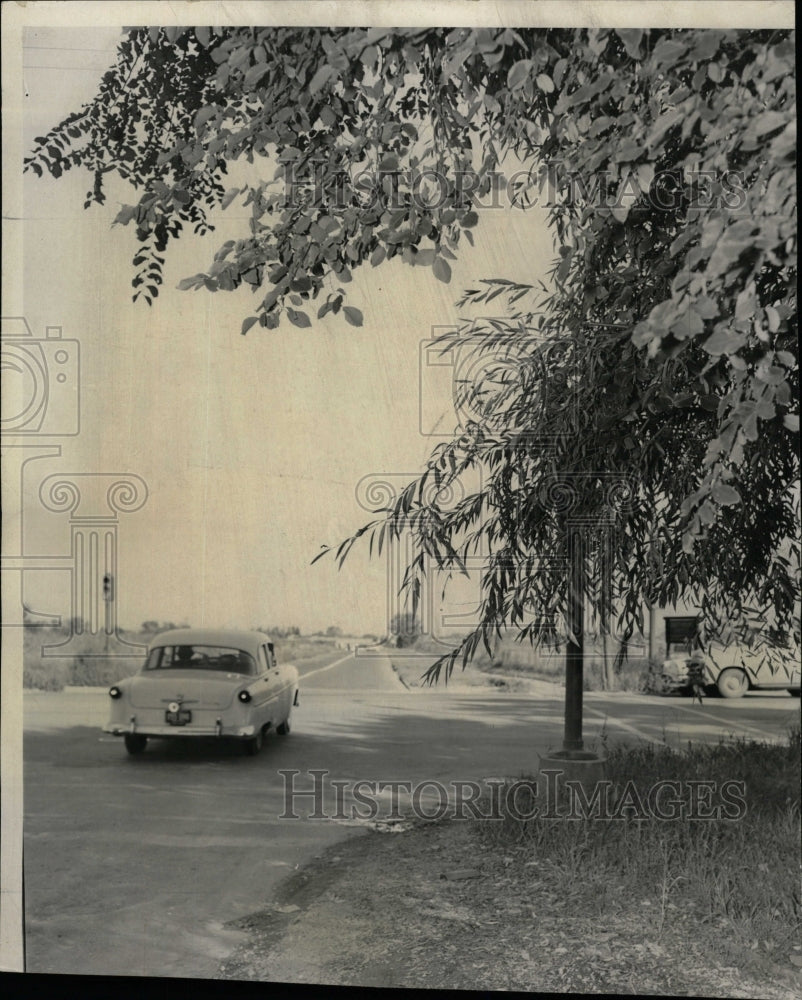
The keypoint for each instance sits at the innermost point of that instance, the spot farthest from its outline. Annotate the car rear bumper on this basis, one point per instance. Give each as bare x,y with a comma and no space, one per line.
182,732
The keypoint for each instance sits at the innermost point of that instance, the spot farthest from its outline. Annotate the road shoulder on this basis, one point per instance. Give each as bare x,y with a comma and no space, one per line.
429,908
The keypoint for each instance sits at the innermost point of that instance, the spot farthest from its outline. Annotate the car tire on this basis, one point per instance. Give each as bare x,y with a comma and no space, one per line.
795,692
135,743
284,729
732,683
254,744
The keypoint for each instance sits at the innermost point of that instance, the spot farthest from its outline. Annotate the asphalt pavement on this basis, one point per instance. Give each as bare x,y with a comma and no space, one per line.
135,865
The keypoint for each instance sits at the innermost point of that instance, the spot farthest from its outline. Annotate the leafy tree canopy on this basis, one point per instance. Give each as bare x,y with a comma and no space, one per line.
661,359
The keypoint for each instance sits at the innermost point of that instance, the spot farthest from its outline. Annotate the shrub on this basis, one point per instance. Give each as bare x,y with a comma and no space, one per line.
94,671
48,676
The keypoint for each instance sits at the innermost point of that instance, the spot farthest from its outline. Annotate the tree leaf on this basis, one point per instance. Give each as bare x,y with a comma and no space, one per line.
248,323
773,319
631,37
519,73
323,75
645,173
442,270
298,317
353,315
254,75
186,283
205,114
229,196
726,495
724,341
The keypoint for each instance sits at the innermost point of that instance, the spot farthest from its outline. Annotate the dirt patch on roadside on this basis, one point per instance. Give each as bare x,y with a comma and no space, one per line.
410,669
432,908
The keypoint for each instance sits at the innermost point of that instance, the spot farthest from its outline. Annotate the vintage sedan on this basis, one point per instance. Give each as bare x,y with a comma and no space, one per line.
204,682
731,669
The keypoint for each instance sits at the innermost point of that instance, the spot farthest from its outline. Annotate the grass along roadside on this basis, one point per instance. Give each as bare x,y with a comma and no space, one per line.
707,908
88,667
737,881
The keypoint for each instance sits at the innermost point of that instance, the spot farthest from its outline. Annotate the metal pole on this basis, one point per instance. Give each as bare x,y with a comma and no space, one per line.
652,632
572,739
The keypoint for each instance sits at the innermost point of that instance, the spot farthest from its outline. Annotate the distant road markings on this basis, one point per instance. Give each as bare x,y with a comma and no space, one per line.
329,666
624,725
729,722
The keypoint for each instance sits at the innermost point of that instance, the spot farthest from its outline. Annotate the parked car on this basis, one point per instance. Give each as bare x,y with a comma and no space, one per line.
202,682
734,668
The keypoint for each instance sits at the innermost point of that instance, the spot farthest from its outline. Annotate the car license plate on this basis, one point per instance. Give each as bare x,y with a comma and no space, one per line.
179,718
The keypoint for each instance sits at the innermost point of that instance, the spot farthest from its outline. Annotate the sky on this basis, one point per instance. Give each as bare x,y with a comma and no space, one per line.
255,450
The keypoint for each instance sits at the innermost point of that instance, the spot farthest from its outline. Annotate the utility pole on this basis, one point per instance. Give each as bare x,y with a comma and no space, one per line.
574,680
108,598
572,761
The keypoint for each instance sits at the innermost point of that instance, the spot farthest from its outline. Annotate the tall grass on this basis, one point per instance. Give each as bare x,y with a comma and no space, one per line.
737,879
87,666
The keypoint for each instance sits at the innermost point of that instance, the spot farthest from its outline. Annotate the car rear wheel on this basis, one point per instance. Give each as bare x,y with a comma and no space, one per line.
284,728
135,742
732,683
254,744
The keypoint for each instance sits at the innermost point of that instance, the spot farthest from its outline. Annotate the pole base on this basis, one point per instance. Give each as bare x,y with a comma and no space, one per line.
583,766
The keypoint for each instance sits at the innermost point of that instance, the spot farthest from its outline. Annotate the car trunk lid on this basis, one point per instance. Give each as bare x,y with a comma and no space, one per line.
192,688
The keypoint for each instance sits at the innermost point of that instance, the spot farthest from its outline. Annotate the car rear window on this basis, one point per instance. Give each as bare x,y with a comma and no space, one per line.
197,657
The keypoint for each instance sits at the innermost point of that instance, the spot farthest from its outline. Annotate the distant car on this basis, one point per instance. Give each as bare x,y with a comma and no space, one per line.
734,668
202,682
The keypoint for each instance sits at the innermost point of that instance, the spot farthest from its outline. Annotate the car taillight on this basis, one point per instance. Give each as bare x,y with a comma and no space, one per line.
244,696
115,692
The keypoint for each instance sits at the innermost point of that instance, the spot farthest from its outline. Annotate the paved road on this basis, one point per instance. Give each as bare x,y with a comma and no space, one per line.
134,865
